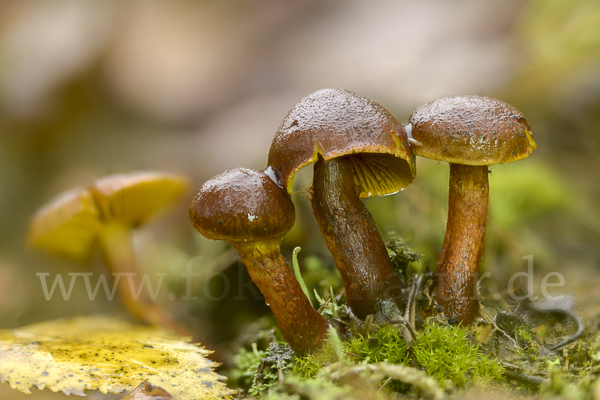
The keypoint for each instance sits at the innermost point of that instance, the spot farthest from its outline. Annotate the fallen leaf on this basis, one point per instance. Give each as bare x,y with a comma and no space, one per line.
109,355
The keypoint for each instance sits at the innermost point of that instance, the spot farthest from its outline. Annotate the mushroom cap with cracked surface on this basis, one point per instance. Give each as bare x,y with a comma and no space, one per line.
470,130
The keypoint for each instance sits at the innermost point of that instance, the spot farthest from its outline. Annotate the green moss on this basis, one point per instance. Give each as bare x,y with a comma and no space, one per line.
527,342
246,363
444,352
308,367
559,386
384,346
447,355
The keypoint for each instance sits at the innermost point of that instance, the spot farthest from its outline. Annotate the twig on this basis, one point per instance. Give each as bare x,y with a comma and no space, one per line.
402,321
504,333
510,371
577,334
384,384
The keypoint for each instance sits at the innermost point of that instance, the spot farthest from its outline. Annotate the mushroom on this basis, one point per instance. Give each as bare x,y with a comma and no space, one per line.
359,150
126,201
105,213
68,226
470,133
248,209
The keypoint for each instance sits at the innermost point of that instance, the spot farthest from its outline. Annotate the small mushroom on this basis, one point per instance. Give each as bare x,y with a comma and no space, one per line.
68,226
105,213
470,133
126,201
248,209
359,150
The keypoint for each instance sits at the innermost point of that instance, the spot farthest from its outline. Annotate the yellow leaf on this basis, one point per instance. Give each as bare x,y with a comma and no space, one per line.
109,355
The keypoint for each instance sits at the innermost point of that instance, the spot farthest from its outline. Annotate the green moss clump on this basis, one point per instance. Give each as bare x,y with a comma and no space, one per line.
527,341
246,363
384,346
443,351
308,366
447,355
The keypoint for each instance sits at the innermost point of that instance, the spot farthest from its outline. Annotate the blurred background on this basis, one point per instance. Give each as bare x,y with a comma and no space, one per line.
90,88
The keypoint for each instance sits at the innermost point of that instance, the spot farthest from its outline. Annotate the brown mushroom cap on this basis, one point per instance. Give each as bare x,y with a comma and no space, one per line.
470,130
335,123
242,205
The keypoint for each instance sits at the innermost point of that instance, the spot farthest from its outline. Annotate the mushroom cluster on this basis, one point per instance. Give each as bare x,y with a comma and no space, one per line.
360,150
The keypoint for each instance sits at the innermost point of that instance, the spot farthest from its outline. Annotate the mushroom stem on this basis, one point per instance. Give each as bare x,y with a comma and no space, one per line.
371,283
457,269
118,256
302,326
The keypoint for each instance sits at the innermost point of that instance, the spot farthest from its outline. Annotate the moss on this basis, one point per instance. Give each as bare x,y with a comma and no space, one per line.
445,353
559,386
448,357
246,363
384,346
448,354
527,341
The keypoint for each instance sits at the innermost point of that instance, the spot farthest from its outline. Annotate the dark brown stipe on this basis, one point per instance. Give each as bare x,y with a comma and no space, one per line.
372,285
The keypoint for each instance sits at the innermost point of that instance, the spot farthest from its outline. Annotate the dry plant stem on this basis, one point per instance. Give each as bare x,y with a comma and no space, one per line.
302,326
456,273
118,256
371,283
